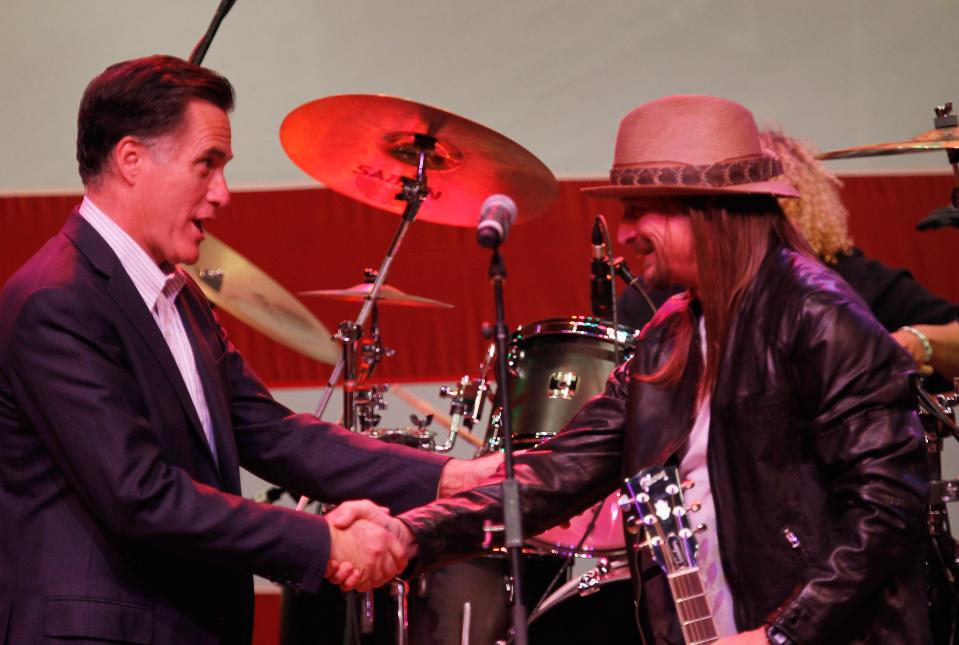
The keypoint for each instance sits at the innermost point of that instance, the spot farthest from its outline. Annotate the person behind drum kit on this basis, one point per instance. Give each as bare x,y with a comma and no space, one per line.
768,382
125,412
925,325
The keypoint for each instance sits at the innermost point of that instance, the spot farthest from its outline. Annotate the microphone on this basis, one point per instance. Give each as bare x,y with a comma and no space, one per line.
627,276
945,216
601,282
497,214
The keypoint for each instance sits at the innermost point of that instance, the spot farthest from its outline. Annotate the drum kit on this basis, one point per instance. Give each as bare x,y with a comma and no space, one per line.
424,163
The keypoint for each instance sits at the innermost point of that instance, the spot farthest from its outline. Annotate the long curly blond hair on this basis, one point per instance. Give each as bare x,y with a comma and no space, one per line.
818,213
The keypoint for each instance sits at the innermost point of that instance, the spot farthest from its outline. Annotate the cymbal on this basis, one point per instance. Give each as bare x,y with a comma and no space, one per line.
231,281
936,139
388,295
360,145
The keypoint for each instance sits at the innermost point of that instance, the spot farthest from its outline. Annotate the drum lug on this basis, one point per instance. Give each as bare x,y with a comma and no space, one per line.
590,581
562,385
508,587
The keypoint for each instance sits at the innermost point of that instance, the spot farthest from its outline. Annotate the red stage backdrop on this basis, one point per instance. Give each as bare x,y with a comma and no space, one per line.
317,239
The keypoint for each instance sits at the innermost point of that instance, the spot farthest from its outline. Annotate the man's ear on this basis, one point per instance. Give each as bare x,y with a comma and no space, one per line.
127,158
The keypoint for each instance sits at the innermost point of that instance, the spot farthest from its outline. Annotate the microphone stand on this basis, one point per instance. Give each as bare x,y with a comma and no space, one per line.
512,520
199,51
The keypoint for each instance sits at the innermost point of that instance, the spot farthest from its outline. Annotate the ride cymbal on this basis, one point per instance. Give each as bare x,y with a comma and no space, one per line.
388,296
361,145
231,281
936,139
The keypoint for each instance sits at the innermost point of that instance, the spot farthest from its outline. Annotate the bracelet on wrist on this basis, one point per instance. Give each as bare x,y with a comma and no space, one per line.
923,340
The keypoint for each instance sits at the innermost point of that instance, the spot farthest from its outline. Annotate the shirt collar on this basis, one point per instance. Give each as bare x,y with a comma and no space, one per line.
148,278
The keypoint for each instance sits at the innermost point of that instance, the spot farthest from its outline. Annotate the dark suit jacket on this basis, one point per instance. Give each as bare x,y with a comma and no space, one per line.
116,522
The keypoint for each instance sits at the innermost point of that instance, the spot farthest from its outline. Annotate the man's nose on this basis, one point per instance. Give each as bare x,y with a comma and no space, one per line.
218,193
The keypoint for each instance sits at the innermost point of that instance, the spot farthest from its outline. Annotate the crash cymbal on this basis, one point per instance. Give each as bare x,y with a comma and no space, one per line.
388,296
360,145
231,281
936,139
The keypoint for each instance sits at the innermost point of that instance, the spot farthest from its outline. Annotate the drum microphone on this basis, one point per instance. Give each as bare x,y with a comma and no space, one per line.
627,276
601,283
497,214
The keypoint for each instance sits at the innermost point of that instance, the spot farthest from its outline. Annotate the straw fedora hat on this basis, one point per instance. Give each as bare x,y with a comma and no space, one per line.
691,145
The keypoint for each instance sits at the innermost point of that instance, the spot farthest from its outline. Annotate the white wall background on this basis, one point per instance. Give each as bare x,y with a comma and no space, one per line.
555,75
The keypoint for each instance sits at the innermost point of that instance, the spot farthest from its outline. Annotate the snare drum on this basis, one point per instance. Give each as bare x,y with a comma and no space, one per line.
555,367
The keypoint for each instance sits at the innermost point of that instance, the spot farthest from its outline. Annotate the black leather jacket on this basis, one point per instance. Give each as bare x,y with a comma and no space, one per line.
816,462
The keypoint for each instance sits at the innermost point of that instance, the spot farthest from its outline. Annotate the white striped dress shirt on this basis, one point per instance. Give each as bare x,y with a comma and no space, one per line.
159,291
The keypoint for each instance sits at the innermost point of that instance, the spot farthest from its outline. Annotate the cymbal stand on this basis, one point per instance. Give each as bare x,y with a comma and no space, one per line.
413,192
512,520
939,415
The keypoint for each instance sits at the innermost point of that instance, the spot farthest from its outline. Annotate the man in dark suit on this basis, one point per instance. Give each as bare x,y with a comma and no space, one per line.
125,412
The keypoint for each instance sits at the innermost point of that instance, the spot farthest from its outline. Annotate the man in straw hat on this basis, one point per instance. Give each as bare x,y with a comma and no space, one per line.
767,381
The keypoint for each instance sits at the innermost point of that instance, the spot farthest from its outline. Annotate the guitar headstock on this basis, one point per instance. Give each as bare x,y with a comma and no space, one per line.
652,500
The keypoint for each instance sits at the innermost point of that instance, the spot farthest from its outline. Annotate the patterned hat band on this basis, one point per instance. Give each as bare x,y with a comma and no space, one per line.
715,175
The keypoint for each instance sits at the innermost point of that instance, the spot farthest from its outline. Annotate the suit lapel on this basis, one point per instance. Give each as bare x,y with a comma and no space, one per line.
200,341
125,294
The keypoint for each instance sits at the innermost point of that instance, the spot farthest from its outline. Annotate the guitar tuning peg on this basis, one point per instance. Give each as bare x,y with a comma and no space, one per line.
699,528
695,506
687,484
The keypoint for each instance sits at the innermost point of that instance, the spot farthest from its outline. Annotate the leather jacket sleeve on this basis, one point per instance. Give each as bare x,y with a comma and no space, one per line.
557,480
869,445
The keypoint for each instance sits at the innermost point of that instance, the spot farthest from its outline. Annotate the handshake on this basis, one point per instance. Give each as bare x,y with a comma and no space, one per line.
368,546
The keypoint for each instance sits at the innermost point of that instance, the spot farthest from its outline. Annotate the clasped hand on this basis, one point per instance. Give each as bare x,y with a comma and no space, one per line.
367,545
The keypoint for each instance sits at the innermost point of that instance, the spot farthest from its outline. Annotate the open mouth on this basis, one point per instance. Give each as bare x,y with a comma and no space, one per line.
199,224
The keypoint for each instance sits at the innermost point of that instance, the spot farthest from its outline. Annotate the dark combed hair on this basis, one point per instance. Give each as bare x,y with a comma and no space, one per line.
145,98
732,236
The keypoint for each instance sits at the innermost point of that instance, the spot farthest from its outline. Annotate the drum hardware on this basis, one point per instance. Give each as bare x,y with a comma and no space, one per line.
364,146
442,419
562,385
589,608
466,402
467,620
938,415
367,612
367,402
399,591
622,270
943,136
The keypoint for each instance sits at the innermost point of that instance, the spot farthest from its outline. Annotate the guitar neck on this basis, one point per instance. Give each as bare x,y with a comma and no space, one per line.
695,618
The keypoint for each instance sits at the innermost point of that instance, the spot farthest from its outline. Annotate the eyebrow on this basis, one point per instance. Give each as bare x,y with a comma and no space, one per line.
213,151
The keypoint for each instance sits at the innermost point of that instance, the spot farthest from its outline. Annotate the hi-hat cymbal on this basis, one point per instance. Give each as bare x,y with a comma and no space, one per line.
360,145
388,296
231,281
936,139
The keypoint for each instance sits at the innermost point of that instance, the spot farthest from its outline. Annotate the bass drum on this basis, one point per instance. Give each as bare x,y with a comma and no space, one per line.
597,607
555,367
